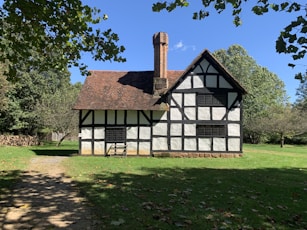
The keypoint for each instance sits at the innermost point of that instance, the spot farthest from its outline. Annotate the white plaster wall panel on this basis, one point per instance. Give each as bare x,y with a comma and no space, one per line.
86,133
211,69
111,117
132,117
132,146
159,143
88,120
186,84
176,99
204,144
189,144
144,148
231,98
176,143
234,144
99,117
189,99
145,133
132,133
143,119
86,148
190,130
211,81
204,64
204,113
234,130
99,133
219,144
234,114
198,82
176,129
159,115
175,114
160,129
224,84
218,113
120,117
190,113
99,147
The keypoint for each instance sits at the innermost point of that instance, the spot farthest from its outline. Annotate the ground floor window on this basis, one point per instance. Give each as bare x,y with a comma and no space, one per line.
211,130
115,134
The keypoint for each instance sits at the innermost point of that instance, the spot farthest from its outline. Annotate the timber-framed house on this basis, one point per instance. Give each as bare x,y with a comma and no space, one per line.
196,112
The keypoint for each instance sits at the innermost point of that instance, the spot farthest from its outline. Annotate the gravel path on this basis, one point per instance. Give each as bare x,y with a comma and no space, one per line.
46,199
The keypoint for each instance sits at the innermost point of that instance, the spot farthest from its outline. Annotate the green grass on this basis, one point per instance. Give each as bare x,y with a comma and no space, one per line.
265,189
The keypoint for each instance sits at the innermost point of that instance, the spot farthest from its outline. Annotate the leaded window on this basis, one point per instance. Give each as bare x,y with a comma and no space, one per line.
211,99
211,130
115,135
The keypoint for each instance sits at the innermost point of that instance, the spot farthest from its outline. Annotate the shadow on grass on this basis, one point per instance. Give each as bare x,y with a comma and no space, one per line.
200,198
55,152
39,201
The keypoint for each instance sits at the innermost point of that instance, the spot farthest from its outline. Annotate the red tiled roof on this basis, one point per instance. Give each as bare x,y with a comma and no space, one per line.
118,90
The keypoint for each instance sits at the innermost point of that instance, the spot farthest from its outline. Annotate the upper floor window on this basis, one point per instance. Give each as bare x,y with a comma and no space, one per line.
211,99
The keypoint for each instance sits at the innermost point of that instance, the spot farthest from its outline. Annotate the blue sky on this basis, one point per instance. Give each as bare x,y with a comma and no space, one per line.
135,24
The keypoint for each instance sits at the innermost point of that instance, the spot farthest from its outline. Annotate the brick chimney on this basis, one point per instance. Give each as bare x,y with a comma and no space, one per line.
160,43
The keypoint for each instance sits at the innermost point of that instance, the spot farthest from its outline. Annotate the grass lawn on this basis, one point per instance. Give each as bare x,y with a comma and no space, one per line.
265,189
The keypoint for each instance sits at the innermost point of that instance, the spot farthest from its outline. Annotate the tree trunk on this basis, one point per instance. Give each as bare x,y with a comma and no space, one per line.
282,140
62,139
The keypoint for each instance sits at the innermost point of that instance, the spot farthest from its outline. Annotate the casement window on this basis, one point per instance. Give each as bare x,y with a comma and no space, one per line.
211,99
211,130
115,134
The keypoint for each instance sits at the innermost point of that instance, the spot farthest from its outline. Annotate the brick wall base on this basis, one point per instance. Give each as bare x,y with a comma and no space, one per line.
197,155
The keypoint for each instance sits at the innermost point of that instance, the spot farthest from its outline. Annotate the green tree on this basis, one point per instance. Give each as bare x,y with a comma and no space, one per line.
56,31
292,39
301,92
4,85
19,116
55,110
264,88
285,121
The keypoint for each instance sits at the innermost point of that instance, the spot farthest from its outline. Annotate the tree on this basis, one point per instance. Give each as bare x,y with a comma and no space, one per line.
56,31
4,84
292,39
55,110
301,92
264,88
19,115
284,121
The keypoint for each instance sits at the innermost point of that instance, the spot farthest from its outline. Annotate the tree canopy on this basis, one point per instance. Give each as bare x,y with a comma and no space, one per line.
292,39
52,34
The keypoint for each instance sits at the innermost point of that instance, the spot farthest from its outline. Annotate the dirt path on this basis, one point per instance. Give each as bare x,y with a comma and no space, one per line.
46,199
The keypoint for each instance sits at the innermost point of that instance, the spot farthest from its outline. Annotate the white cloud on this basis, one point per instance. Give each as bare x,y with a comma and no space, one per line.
182,47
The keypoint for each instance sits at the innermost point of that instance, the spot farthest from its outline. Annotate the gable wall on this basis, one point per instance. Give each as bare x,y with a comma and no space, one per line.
186,114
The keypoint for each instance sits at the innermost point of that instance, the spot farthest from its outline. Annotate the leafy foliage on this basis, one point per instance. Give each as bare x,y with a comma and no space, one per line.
301,101
56,31
292,39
